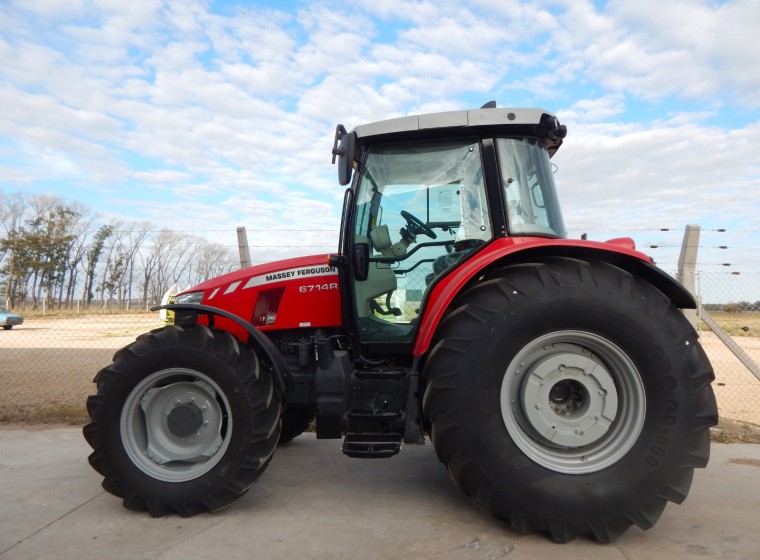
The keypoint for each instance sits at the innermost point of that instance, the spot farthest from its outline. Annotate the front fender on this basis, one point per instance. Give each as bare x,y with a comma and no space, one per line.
281,371
513,250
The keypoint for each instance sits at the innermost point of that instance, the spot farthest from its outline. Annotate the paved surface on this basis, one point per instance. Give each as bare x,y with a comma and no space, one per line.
315,503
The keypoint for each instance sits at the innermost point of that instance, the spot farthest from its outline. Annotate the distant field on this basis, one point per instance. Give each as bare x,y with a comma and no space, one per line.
738,324
48,363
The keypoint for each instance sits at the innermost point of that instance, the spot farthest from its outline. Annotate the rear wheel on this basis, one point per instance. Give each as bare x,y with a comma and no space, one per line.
571,398
185,420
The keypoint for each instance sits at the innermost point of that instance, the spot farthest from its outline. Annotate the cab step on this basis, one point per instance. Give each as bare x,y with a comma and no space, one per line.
380,373
371,446
375,414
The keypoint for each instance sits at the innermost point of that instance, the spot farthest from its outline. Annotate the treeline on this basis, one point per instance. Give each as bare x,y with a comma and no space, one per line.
57,254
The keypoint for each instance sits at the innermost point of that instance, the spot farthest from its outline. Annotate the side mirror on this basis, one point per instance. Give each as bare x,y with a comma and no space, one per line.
344,147
361,261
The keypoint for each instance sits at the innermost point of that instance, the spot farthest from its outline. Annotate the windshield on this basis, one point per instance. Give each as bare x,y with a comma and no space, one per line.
532,205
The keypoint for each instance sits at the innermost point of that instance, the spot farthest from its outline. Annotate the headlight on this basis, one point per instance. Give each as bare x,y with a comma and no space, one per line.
190,297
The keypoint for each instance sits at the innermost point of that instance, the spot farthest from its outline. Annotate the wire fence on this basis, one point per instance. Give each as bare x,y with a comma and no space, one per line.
47,363
733,302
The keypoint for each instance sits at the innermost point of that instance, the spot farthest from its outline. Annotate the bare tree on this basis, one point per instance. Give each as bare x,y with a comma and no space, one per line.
112,262
91,259
158,262
136,235
213,260
56,253
12,210
40,246
78,259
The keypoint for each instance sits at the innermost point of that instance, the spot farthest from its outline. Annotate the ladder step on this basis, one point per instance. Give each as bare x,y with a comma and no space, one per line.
372,446
375,414
383,373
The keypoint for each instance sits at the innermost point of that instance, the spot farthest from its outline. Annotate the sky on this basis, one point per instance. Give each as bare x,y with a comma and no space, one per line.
202,116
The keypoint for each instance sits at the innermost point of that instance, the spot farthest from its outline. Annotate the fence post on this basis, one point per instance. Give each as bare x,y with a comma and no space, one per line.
687,264
245,255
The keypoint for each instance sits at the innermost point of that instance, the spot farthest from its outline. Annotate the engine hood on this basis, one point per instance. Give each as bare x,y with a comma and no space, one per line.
261,270
303,292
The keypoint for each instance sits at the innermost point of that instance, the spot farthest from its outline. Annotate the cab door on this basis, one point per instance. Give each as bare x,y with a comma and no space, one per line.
420,209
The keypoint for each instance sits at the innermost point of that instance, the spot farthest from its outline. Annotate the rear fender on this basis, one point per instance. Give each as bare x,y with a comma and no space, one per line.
509,251
282,377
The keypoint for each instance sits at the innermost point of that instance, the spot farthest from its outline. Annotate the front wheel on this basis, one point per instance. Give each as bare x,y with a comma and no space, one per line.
569,397
185,420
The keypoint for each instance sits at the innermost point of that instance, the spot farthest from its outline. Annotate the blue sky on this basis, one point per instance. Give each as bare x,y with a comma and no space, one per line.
204,116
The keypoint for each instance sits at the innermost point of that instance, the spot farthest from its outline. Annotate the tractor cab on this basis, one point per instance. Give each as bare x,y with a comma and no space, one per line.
429,192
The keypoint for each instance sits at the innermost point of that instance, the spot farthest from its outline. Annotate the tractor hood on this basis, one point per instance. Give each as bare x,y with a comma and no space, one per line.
292,293
262,270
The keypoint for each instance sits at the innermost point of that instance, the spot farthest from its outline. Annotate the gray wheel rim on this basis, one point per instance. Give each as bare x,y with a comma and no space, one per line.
154,444
573,402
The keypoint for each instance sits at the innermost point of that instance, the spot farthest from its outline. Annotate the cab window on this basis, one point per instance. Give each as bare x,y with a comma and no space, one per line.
421,207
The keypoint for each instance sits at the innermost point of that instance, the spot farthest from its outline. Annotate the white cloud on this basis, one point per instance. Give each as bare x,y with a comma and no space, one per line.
230,112
593,110
687,49
51,8
162,176
653,177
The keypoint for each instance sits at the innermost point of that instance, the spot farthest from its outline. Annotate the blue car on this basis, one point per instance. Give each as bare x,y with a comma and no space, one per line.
8,320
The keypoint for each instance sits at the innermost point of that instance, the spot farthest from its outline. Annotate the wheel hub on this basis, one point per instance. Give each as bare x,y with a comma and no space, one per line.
184,420
569,399
174,424
573,401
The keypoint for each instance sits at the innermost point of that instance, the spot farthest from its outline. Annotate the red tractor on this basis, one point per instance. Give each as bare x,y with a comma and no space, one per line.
557,379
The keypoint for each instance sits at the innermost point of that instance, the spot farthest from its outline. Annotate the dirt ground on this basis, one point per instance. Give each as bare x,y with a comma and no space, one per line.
47,367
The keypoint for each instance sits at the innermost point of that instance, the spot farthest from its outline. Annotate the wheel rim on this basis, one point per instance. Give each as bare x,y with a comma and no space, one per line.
176,425
573,402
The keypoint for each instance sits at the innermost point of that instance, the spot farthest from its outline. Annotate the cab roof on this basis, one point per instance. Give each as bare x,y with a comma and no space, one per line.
517,121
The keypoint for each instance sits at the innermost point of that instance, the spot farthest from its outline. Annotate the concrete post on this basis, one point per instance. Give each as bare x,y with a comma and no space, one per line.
687,265
245,255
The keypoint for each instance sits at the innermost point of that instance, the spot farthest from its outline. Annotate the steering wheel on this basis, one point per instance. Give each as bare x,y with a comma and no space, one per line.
416,225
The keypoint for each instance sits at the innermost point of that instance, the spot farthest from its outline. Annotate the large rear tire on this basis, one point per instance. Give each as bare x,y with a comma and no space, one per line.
185,420
569,397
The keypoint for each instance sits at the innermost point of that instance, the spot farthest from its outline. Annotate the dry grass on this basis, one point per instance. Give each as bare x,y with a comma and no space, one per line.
735,431
57,414
738,324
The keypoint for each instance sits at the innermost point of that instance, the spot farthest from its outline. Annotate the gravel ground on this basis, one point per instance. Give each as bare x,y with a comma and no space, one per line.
47,367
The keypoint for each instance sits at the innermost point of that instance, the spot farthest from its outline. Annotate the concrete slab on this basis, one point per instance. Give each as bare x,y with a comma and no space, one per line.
315,503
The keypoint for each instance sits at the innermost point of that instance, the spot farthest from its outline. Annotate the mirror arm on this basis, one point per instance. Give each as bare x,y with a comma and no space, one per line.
340,132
